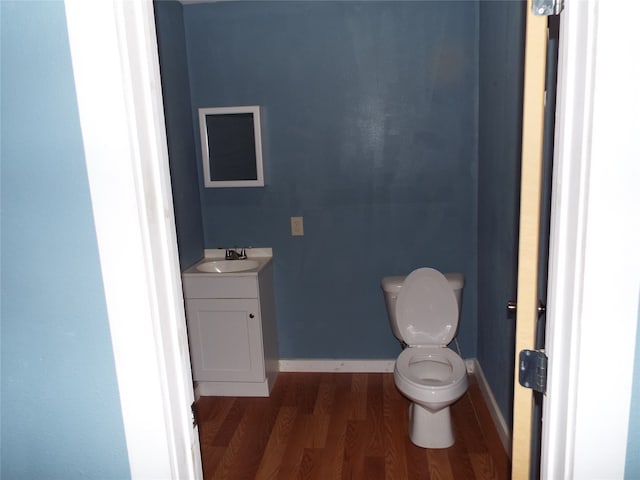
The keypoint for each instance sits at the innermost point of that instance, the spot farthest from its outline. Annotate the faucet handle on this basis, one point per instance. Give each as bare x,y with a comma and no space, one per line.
235,253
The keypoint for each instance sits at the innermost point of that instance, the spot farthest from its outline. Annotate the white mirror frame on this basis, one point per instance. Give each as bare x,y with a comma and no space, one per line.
204,140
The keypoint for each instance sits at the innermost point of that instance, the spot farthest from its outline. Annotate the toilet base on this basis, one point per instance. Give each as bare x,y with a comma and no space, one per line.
428,429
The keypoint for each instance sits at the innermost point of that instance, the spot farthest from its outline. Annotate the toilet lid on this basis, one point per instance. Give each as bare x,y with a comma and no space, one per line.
426,310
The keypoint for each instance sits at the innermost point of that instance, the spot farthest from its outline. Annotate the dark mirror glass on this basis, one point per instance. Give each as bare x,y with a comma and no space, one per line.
232,149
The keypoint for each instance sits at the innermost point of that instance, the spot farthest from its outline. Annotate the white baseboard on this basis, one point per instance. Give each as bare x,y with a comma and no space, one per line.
496,415
346,365
336,365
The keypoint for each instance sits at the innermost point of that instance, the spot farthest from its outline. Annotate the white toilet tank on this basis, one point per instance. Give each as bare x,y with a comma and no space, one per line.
391,286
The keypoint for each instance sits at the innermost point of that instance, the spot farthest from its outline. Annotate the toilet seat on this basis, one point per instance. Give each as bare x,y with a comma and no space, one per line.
435,368
427,309
432,378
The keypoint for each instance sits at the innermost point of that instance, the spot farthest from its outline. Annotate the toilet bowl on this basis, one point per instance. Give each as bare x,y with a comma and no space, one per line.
424,311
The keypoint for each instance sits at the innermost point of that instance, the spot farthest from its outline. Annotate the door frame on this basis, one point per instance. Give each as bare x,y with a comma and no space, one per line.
117,77
594,267
141,274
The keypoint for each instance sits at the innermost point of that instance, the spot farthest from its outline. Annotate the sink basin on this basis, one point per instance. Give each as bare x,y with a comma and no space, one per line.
227,266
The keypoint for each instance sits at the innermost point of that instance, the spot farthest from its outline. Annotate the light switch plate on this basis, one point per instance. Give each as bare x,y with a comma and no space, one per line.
297,227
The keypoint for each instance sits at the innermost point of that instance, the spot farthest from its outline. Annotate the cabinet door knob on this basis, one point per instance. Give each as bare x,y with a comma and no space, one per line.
251,315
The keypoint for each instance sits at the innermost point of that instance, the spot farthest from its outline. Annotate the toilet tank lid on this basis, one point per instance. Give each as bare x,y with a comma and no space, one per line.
456,280
393,283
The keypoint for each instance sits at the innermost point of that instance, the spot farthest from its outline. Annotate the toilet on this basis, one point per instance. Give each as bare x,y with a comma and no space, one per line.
423,310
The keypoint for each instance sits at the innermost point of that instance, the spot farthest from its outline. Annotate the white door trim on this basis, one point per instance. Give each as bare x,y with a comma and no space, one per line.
594,272
116,71
567,238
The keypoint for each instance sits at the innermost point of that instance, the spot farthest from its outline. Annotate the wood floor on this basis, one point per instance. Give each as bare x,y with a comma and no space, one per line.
341,426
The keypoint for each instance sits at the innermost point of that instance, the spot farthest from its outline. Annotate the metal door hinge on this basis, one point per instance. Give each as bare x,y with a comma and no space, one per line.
533,370
512,307
544,8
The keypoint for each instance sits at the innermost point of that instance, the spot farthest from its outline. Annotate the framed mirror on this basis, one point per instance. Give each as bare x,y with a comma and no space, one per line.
231,146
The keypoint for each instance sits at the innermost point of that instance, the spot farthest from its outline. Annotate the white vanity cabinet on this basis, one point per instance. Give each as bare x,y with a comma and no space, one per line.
232,331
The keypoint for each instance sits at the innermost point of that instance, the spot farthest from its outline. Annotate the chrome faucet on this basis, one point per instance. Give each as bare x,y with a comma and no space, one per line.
234,254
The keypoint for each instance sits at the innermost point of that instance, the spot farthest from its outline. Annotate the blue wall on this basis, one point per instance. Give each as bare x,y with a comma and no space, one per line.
60,409
501,60
370,128
632,467
177,105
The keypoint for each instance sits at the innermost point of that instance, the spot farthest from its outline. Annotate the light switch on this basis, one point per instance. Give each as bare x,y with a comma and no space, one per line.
297,227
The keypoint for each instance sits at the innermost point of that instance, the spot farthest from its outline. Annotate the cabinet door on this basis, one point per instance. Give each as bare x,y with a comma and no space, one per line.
225,340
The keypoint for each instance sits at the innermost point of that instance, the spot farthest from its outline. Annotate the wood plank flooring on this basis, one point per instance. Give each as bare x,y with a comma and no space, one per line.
329,426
